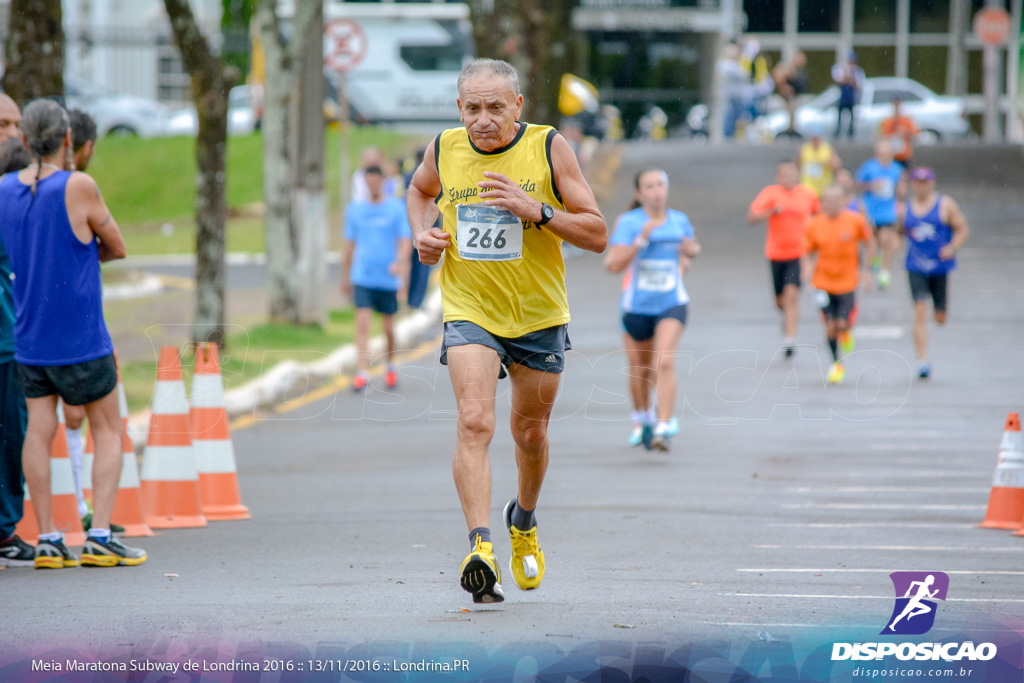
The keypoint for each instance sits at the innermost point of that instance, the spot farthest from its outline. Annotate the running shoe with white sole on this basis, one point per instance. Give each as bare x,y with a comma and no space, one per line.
660,441
924,370
673,427
15,552
636,437
527,562
480,574
54,555
110,553
884,278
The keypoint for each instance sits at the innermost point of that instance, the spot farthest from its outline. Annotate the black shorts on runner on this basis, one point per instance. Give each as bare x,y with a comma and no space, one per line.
883,226
785,273
542,350
76,384
923,287
641,327
383,301
839,306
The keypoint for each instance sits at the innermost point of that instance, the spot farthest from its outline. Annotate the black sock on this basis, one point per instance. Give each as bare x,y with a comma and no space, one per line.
483,532
523,519
834,345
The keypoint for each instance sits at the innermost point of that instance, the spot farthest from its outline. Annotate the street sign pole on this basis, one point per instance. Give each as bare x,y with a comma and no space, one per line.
344,158
992,28
347,49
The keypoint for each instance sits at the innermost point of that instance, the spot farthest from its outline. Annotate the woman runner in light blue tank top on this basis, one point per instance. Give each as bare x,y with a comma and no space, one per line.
654,245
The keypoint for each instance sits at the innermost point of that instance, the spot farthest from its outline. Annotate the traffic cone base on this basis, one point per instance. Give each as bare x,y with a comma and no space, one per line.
210,486
1006,501
1005,509
180,496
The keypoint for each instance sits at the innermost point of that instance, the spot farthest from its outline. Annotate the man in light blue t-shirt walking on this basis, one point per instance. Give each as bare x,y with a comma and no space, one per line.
879,179
375,268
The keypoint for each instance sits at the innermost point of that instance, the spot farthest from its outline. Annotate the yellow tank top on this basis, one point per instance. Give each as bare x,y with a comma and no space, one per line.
816,166
509,280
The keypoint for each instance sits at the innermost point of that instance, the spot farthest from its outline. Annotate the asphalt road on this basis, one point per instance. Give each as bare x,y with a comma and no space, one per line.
781,509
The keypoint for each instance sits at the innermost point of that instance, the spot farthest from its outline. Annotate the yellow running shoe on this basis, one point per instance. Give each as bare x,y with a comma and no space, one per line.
527,562
54,555
836,373
846,342
480,574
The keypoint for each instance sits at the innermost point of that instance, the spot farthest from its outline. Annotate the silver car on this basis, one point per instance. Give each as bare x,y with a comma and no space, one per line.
115,114
938,117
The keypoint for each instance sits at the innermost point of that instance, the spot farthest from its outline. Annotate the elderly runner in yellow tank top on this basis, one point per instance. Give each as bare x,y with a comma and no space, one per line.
509,193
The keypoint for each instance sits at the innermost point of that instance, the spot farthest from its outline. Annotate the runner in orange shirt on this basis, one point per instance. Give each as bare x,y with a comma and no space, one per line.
833,241
900,130
787,206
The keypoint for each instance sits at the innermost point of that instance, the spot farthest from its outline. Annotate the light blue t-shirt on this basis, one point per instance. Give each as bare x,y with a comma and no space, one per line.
654,283
376,230
881,205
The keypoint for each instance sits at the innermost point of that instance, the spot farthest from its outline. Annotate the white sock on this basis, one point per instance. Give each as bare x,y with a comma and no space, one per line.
661,427
788,341
101,534
637,416
648,417
55,536
74,438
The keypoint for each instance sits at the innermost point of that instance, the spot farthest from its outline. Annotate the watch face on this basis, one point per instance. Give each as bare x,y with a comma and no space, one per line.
547,212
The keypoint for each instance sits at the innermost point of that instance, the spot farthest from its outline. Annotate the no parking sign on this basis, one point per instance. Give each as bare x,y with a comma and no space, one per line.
345,45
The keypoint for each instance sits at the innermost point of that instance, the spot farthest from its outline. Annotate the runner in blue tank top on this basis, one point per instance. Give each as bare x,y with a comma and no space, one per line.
654,244
56,229
935,229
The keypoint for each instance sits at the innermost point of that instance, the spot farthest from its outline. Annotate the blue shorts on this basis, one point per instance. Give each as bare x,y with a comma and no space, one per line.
641,327
542,350
381,300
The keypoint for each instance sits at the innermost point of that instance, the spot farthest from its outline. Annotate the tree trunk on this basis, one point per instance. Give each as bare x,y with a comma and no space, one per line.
534,36
211,82
283,64
35,51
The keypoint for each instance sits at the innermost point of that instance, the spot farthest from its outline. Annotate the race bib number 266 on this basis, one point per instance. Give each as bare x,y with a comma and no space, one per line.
488,233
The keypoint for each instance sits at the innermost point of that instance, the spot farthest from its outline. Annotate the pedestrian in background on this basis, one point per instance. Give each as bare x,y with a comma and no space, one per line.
900,130
850,79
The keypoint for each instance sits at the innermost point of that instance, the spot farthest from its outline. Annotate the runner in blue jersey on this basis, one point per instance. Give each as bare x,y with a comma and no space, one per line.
879,180
654,245
936,229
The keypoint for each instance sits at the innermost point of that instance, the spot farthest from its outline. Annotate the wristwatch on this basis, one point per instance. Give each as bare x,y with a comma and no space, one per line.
546,214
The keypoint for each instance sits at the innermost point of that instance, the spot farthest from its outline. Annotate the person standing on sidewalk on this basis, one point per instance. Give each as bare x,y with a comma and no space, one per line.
14,552
936,230
787,207
57,229
510,193
375,267
850,79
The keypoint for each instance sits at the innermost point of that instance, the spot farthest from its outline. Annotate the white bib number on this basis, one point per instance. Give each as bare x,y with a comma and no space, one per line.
487,233
886,188
815,171
656,275
898,144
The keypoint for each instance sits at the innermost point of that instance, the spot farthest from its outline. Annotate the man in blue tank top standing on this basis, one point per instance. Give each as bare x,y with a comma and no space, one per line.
935,229
56,229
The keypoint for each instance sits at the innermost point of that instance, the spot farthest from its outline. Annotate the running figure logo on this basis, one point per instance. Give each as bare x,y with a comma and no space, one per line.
915,595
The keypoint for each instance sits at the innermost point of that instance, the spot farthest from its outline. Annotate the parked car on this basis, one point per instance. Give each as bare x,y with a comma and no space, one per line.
242,117
938,117
115,114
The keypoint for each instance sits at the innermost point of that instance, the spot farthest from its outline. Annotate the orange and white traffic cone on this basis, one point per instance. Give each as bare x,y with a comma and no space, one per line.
128,511
1006,502
215,454
170,481
63,500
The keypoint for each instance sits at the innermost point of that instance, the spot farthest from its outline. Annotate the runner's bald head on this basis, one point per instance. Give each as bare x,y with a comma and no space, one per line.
10,117
490,67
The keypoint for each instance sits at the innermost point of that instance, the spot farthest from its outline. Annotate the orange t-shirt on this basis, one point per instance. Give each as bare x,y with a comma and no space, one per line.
837,241
900,130
786,228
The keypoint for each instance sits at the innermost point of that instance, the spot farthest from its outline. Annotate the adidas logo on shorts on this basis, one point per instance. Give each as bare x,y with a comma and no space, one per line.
551,358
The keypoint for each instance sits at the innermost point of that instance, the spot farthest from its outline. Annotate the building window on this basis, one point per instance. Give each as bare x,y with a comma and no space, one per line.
926,64
877,61
818,16
929,16
432,57
874,16
765,16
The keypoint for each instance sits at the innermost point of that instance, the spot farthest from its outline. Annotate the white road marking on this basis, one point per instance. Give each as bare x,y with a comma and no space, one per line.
888,489
878,506
873,525
857,597
935,548
801,570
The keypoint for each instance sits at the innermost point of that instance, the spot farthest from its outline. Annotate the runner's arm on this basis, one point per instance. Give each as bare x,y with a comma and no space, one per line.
956,220
88,210
581,224
422,211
